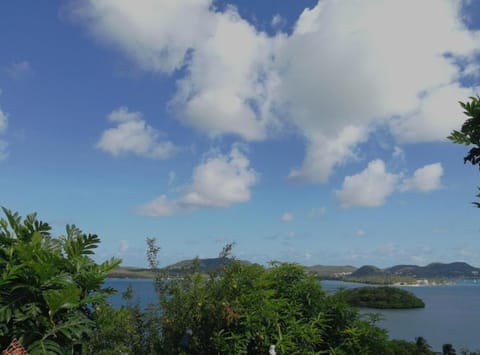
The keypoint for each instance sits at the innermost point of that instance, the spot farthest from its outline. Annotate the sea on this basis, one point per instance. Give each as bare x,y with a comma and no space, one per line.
451,314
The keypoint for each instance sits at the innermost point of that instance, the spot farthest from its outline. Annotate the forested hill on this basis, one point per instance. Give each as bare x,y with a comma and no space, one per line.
432,271
192,265
201,265
454,270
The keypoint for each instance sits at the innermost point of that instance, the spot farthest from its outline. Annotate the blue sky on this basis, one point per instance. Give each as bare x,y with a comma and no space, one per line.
302,131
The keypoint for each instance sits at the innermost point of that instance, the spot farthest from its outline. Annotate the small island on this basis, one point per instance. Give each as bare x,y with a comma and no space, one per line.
381,298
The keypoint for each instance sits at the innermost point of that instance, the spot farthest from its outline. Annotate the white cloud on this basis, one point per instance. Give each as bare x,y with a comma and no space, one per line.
436,116
277,21
369,66
360,232
287,217
347,66
370,188
221,181
225,89
425,179
325,153
149,32
3,128
19,70
228,86
133,135
3,121
218,182
159,207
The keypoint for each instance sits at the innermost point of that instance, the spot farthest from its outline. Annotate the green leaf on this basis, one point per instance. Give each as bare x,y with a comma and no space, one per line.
73,329
67,297
45,347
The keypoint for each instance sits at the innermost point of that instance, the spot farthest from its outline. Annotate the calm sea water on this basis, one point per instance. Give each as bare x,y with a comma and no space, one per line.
451,315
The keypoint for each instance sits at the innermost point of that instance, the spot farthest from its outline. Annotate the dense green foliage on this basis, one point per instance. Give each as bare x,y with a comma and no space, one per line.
242,309
382,298
52,301
470,132
49,287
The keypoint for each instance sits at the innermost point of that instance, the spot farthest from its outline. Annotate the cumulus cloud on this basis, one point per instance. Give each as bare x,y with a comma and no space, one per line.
228,87
372,67
436,115
325,153
133,135
287,217
218,182
225,89
149,32
346,67
425,179
372,186
221,181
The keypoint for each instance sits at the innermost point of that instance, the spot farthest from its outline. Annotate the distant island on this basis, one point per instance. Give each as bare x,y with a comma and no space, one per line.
431,274
381,298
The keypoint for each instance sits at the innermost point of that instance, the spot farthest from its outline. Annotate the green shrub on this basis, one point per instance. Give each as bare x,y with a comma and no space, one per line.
50,288
246,308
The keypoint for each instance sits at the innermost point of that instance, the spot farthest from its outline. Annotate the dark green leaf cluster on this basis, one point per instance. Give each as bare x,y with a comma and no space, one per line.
382,298
49,287
470,133
127,330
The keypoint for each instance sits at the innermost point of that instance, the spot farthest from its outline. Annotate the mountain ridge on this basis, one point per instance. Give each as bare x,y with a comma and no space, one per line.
434,270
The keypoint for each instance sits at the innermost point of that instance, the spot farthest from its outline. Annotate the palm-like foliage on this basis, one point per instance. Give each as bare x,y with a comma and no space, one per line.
470,133
49,287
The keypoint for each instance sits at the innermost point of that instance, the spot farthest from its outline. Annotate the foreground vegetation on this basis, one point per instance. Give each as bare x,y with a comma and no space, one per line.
52,302
382,298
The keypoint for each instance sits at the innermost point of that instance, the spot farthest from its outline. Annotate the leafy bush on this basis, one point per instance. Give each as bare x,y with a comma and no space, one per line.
50,288
246,308
242,309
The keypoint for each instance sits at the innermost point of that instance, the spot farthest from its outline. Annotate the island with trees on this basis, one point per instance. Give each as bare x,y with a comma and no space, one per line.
381,297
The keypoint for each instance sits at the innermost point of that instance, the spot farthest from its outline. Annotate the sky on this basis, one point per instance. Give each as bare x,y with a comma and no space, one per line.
302,131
